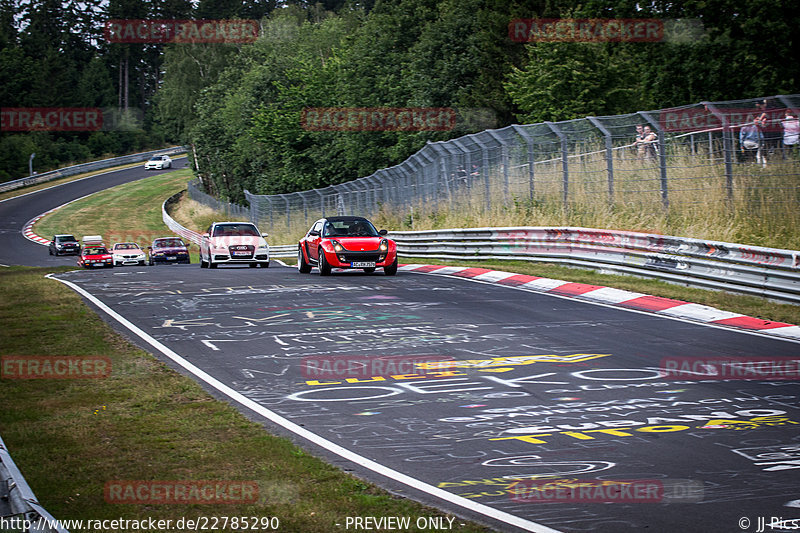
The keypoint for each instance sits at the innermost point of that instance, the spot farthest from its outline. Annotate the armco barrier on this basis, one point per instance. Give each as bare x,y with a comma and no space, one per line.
18,501
289,250
766,272
86,167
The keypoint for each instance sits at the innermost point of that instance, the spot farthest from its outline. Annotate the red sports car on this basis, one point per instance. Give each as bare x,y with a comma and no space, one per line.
346,242
95,256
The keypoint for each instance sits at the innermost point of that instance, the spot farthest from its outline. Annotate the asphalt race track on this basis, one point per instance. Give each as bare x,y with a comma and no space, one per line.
468,395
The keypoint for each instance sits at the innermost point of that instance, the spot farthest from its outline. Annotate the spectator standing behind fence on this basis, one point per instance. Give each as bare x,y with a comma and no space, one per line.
751,141
791,133
639,142
649,141
767,114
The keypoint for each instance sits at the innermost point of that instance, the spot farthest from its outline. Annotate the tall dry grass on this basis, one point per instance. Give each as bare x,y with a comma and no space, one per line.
763,208
760,208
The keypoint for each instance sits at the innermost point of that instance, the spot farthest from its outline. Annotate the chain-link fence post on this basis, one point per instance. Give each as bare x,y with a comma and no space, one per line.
727,146
564,162
662,156
504,161
484,169
529,142
609,155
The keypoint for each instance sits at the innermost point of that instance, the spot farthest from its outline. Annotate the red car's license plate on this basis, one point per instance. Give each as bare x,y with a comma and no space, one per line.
362,264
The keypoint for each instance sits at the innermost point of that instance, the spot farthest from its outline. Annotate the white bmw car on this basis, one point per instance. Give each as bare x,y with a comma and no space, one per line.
128,253
158,162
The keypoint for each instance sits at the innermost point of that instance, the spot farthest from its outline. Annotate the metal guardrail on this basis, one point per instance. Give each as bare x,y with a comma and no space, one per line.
287,250
87,167
173,225
766,272
18,501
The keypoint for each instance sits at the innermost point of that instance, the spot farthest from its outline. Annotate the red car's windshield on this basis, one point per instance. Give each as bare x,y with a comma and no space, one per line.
94,251
355,227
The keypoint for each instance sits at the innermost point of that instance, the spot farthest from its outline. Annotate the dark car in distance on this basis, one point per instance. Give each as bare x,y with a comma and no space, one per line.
64,245
168,250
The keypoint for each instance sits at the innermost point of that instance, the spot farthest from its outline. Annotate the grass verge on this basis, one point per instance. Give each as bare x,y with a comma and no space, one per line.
147,422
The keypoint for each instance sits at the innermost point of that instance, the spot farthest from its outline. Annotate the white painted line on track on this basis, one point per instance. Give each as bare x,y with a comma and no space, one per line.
332,447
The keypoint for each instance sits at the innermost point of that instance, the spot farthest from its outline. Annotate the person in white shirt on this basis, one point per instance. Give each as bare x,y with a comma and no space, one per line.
791,133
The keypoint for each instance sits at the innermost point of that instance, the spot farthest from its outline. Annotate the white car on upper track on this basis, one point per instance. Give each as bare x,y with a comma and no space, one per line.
158,162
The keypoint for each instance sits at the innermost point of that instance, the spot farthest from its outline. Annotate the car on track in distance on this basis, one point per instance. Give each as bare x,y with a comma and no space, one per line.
95,253
64,244
158,162
128,253
168,250
232,243
346,242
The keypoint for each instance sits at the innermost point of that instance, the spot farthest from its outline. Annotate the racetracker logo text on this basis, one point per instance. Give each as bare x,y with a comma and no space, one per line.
51,119
606,491
586,30
761,368
362,367
54,367
181,31
378,119
181,492
701,119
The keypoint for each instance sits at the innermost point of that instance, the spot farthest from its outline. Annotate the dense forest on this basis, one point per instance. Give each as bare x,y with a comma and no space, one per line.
242,105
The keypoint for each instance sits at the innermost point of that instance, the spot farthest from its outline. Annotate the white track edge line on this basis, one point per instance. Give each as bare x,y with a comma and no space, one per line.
360,460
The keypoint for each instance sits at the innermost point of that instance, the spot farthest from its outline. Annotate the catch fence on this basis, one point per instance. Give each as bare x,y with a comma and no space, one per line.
696,160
